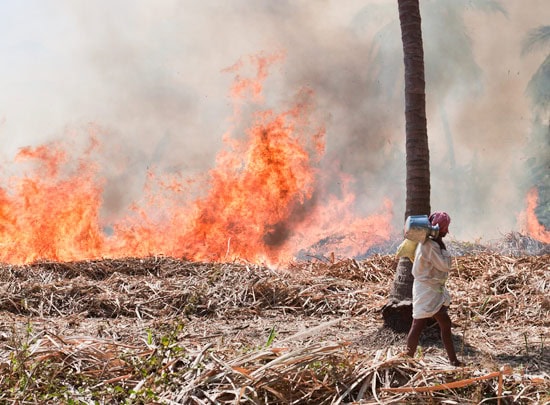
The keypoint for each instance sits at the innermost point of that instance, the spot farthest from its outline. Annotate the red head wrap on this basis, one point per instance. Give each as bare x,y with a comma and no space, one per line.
443,219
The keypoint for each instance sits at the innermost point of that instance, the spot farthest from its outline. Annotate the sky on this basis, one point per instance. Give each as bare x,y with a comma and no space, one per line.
151,75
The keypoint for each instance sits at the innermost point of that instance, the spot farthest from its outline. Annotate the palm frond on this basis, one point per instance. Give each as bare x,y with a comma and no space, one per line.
373,15
488,6
538,88
536,38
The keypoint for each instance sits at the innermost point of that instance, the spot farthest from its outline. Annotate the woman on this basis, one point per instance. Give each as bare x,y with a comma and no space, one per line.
431,267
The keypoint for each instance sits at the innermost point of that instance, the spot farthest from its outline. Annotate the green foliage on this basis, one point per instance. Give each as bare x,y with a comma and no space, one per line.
538,90
271,337
27,378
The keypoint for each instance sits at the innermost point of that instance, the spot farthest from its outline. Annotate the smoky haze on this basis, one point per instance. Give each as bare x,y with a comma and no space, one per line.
149,76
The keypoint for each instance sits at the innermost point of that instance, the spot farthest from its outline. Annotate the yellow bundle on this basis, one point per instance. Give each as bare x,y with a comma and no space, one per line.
407,248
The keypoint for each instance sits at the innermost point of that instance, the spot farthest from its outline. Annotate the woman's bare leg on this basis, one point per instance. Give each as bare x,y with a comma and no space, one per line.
414,335
442,318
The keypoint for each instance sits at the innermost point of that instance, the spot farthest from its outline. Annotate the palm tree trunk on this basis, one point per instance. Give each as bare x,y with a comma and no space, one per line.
397,312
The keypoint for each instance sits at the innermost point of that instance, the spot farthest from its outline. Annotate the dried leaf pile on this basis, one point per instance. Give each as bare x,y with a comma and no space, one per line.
162,330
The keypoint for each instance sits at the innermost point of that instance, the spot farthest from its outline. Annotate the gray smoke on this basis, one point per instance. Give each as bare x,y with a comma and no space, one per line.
149,74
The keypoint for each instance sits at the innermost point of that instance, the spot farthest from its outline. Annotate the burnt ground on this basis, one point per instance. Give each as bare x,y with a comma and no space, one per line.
107,331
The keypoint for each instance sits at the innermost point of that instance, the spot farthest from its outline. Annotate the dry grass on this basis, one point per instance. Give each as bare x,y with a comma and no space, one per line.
161,330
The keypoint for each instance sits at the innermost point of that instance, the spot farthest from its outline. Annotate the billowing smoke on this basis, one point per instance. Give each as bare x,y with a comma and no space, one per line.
149,76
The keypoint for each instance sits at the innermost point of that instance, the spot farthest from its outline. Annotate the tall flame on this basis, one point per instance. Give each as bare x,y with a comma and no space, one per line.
263,201
49,214
534,228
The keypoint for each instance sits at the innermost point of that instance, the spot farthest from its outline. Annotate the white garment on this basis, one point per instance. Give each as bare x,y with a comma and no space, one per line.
430,270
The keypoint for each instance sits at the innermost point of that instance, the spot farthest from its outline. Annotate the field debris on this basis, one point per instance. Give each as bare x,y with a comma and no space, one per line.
164,330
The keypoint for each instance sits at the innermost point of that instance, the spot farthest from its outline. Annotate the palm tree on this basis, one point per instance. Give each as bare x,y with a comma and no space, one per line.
539,85
398,311
538,91
451,70
456,71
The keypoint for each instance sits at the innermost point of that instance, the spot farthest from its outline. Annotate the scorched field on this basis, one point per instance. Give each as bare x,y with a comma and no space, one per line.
164,330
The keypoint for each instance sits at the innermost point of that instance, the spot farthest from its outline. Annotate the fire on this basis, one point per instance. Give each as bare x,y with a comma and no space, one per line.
262,202
50,215
534,228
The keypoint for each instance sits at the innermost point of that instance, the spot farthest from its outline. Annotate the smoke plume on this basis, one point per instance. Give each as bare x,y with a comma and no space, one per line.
150,80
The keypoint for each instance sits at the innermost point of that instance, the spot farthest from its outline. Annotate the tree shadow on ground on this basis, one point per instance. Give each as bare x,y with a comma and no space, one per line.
384,337
532,358
431,337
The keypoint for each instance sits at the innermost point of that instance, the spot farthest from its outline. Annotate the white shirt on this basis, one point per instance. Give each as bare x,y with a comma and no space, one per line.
430,269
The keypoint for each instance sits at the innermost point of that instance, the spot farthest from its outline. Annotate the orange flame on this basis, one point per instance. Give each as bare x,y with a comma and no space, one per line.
534,228
51,215
263,202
